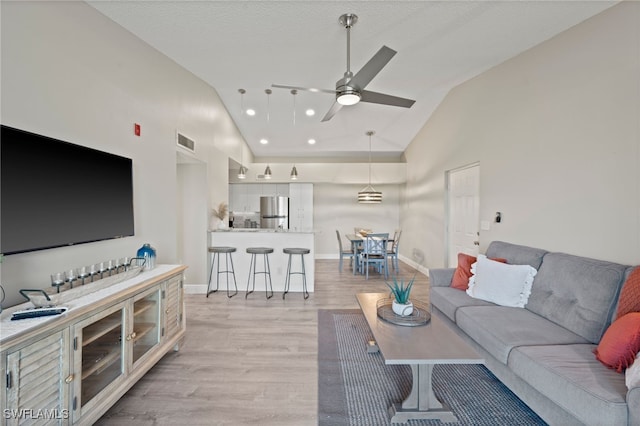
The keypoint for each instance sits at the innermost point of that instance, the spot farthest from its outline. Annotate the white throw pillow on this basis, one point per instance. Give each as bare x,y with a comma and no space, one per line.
632,375
501,283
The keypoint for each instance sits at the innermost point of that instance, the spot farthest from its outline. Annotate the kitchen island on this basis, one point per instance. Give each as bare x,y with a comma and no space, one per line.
243,238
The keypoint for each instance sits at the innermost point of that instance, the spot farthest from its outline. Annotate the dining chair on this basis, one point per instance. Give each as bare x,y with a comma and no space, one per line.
343,253
374,252
395,247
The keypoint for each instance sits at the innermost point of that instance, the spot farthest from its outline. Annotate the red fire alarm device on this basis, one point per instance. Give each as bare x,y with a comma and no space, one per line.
136,129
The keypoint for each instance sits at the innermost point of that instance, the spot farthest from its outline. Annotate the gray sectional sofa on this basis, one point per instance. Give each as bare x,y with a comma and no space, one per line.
544,352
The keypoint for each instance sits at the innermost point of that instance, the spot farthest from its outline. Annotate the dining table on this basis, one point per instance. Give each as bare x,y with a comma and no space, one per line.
356,241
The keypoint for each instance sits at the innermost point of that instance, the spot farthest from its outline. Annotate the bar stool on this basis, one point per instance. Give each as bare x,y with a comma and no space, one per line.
287,282
254,251
215,253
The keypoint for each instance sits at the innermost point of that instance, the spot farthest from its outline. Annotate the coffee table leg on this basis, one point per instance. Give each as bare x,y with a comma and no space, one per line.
421,402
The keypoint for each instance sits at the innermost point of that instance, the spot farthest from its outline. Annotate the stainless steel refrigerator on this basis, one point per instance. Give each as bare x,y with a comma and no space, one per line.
274,212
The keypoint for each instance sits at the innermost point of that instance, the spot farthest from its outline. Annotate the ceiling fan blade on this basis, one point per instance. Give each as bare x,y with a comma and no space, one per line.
308,89
332,111
372,68
381,98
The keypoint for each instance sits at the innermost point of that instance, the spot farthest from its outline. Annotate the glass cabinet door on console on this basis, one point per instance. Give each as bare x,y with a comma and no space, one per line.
145,334
98,357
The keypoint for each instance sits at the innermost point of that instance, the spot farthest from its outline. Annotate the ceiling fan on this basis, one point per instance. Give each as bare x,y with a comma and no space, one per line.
350,89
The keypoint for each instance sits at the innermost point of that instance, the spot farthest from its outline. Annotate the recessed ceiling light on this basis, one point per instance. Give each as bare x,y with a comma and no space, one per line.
264,141
310,112
251,112
311,141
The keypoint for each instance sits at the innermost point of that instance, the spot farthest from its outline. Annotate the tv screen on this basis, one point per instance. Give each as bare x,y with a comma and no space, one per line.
55,193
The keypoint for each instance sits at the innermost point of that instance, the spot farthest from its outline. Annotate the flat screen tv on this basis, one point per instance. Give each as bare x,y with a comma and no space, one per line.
55,193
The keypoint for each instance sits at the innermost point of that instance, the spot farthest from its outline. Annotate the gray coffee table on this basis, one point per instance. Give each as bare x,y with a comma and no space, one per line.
420,347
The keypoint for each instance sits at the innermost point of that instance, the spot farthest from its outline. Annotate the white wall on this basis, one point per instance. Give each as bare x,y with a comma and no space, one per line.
557,133
336,207
192,220
70,73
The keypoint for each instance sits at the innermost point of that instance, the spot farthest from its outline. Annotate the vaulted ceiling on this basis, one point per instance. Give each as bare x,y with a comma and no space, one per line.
251,45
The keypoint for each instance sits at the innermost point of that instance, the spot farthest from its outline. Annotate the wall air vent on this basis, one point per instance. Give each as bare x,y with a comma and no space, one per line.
186,143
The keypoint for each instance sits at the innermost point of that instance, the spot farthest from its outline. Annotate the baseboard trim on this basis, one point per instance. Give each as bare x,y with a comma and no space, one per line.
195,289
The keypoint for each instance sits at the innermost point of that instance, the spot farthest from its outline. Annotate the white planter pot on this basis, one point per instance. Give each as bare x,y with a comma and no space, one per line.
402,309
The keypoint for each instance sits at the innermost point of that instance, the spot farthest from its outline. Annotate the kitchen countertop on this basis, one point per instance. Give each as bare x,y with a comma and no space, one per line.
278,240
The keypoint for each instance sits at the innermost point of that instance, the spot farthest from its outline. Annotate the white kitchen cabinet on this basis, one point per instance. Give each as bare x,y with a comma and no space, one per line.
275,189
282,189
237,197
301,206
245,197
254,192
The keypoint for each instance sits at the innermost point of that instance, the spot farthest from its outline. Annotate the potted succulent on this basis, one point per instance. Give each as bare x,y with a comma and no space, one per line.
401,304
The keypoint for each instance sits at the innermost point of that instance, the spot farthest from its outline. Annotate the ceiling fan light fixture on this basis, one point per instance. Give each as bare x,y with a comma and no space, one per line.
348,97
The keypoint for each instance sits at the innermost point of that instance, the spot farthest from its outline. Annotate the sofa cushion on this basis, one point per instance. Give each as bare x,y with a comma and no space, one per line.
463,272
570,376
506,285
515,254
620,343
498,329
629,300
440,277
449,299
632,374
577,293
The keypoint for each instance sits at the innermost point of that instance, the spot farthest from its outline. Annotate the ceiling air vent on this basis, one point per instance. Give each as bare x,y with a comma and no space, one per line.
186,143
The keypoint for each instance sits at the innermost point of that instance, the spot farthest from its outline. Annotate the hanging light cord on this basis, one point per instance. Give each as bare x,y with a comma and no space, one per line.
370,133
268,92
294,92
242,92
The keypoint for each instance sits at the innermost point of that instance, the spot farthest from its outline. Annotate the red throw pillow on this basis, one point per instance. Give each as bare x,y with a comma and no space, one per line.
462,273
630,295
620,343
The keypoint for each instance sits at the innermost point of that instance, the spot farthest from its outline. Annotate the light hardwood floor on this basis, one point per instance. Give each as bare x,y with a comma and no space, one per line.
247,361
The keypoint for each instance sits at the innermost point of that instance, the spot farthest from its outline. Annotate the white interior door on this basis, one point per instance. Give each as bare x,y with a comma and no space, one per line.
463,194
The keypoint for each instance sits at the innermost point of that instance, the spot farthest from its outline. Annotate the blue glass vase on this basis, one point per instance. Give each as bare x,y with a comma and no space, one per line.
149,254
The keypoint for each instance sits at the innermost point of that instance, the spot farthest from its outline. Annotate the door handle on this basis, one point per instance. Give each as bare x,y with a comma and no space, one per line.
476,243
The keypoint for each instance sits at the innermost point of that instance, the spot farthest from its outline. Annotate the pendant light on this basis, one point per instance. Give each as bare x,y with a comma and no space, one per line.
267,172
368,195
242,172
294,173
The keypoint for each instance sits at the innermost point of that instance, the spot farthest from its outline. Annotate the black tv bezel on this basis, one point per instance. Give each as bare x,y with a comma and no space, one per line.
79,241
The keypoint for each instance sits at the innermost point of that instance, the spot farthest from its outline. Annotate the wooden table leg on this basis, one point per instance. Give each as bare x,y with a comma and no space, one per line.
421,402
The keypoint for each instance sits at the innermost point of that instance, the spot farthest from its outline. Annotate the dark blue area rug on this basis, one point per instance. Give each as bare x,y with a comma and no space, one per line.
356,388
